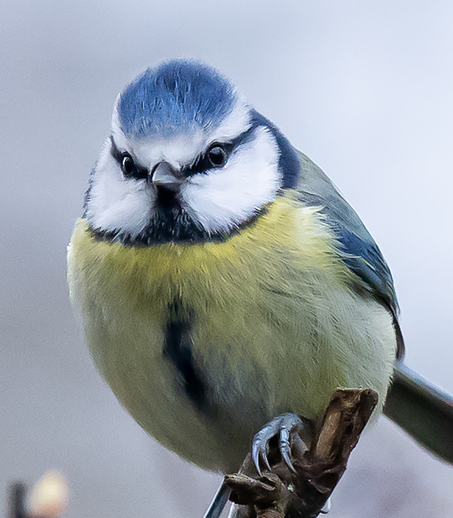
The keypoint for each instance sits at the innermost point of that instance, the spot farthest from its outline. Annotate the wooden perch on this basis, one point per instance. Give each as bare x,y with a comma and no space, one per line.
283,494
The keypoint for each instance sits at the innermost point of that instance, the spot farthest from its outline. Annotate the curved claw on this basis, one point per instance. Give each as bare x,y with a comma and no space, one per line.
259,450
282,425
285,448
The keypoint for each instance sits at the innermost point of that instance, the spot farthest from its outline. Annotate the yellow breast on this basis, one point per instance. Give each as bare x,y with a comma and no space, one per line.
271,326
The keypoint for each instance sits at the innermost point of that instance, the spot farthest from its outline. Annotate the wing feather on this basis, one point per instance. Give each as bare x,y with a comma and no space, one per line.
361,253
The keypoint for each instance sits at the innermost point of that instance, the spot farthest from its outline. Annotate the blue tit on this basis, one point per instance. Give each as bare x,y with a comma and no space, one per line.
223,280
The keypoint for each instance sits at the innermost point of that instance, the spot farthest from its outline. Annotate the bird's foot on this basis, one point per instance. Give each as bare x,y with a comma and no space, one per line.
280,427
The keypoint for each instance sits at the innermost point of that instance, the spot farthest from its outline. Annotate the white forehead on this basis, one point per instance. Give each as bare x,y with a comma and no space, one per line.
182,148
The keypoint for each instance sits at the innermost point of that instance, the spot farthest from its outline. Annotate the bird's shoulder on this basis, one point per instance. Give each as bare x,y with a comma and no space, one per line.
357,247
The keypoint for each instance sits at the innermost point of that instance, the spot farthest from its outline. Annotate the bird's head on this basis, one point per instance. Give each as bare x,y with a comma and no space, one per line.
187,159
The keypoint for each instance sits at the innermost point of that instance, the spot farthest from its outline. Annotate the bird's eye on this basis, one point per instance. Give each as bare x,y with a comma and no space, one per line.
128,166
217,156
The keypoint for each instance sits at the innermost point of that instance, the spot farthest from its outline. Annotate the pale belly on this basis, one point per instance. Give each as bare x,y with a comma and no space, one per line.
204,352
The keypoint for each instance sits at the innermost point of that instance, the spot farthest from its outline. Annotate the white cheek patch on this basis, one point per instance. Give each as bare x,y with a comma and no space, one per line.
218,201
223,199
116,204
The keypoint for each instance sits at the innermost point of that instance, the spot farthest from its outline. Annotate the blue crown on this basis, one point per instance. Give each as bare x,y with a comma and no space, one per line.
177,96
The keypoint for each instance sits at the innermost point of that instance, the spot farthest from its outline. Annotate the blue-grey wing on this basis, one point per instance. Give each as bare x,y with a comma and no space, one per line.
361,253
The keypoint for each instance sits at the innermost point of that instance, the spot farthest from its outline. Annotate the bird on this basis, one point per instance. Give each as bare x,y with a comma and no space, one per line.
225,285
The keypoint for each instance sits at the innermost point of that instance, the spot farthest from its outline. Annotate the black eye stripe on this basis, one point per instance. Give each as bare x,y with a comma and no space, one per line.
129,167
203,164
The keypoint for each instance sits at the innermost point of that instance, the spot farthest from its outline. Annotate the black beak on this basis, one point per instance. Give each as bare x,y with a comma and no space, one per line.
164,176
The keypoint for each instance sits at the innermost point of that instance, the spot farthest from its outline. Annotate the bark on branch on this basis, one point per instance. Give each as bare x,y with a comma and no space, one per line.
283,494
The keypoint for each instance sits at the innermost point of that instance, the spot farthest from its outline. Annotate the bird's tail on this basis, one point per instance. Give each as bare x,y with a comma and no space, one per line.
422,410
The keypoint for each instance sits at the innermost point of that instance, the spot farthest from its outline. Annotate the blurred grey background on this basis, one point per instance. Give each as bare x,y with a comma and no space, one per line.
364,88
